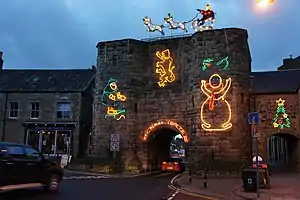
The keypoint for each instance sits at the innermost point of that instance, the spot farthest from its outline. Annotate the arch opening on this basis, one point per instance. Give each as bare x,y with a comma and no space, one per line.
168,124
282,151
162,144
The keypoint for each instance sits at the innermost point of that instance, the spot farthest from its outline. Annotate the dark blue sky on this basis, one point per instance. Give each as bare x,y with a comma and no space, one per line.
64,33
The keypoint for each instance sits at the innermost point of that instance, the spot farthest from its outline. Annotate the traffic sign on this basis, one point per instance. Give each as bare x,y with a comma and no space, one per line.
253,116
115,137
259,158
114,146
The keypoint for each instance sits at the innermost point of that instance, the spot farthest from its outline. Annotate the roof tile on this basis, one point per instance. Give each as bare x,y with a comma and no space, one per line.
45,80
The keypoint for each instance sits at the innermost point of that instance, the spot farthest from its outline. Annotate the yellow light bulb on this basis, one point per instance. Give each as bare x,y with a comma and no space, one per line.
169,123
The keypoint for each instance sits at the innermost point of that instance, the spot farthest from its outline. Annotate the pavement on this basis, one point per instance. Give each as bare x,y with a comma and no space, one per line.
283,187
136,188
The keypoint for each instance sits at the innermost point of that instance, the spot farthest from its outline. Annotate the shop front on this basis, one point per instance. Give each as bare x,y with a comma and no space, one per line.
52,139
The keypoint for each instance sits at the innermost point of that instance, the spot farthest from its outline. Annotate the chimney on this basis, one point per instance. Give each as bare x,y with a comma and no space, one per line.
288,61
1,60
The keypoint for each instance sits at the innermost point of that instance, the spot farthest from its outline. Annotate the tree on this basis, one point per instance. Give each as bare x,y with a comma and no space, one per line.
281,119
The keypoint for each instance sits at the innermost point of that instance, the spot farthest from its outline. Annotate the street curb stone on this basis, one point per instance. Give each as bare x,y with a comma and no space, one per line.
234,192
175,184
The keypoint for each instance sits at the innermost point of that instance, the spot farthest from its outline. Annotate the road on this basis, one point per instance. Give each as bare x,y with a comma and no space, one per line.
145,188
181,196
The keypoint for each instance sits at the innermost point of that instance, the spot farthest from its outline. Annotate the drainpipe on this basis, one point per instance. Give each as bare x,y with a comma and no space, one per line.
6,98
4,117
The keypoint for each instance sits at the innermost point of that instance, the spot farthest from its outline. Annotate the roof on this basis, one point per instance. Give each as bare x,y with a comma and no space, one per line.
283,81
290,63
30,80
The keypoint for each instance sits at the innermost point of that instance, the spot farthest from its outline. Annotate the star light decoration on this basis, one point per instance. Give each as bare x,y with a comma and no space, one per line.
280,102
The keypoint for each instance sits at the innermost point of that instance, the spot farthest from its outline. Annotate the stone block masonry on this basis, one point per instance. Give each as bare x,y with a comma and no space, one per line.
132,63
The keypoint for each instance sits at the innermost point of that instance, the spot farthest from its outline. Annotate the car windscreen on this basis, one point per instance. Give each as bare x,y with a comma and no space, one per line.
174,160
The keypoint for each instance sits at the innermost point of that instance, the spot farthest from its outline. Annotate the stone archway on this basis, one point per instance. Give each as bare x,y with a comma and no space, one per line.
165,124
282,150
157,138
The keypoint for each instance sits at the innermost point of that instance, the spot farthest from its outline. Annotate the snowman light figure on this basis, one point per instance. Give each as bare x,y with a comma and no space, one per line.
215,104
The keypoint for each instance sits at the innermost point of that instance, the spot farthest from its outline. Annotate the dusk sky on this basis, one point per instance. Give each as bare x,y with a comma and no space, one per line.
63,33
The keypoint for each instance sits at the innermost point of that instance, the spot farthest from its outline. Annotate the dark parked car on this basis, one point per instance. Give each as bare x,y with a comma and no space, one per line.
23,167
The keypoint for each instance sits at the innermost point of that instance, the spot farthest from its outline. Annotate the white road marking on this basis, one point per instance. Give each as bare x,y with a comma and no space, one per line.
85,177
173,195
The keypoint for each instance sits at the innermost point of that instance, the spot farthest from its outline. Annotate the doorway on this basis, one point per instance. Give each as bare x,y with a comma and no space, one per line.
50,142
163,144
281,149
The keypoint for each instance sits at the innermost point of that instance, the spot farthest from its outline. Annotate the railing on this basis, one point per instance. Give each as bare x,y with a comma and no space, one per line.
165,37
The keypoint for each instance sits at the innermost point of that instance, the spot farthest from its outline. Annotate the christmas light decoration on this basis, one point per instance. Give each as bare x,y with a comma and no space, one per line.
207,63
220,63
208,15
169,123
281,119
111,97
115,113
173,25
223,62
165,68
153,27
215,91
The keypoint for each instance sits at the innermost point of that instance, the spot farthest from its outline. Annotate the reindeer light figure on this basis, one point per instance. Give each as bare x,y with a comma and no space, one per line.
208,15
153,27
173,25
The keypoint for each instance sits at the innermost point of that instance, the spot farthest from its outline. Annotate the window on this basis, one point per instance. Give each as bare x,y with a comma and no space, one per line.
193,101
242,98
15,151
63,110
31,153
13,109
34,110
135,108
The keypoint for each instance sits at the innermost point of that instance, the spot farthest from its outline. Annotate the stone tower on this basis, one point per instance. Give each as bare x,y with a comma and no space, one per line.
132,64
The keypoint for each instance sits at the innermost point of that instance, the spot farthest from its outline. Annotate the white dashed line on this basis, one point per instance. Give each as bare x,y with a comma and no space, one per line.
85,177
173,195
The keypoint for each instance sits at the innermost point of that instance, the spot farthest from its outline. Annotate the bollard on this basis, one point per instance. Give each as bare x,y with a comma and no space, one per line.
205,179
190,176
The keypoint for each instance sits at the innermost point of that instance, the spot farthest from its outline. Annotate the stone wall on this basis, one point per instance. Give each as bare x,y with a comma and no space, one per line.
132,63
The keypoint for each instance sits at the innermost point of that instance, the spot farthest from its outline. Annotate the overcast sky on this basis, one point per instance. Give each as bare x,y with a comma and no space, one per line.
64,33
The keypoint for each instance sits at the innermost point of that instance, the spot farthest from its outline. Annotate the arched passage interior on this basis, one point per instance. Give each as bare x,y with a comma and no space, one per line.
160,144
282,151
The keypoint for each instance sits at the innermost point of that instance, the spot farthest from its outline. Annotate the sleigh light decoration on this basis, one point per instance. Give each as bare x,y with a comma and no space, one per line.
206,22
208,16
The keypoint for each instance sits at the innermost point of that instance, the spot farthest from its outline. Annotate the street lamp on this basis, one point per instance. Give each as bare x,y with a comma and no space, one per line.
264,3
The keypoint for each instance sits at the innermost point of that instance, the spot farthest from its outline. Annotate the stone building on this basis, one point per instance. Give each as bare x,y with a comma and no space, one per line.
200,86
48,109
280,145
157,111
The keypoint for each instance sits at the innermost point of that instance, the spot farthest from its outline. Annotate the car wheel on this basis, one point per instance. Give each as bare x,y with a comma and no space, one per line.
53,183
